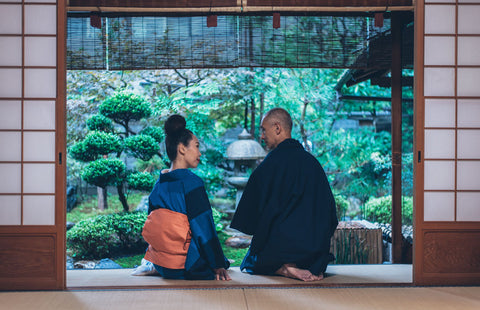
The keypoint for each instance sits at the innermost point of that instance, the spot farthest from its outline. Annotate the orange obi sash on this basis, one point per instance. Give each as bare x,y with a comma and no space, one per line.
168,236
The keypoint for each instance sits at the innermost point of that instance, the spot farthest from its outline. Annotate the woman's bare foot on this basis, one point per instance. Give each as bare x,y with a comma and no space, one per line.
292,271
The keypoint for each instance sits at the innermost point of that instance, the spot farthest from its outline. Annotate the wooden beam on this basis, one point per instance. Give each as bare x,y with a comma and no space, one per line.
396,138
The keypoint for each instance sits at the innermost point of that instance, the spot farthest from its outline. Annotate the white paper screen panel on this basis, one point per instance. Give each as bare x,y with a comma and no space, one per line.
452,110
28,91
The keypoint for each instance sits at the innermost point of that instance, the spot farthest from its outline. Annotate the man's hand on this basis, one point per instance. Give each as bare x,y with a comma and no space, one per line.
221,274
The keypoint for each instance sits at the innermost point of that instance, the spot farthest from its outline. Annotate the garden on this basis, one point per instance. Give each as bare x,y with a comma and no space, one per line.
116,151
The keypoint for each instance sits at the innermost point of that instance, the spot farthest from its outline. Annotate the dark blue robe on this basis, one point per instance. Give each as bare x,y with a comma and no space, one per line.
183,191
289,209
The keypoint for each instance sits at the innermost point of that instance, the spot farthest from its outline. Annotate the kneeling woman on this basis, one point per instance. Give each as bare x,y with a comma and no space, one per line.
183,243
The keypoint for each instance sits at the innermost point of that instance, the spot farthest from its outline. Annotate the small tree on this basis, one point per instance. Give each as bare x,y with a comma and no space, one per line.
104,146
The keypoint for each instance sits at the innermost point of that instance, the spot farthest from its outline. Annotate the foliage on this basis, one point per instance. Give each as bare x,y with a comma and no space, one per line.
142,181
102,143
79,151
357,160
107,235
129,261
100,123
154,132
141,146
380,209
104,171
88,208
124,107
342,206
154,165
212,177
233,254
217,217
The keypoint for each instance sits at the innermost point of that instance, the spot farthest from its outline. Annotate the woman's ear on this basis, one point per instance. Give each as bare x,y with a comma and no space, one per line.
181,149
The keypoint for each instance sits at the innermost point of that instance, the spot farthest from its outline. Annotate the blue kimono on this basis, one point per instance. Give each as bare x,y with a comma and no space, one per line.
183,192
288,207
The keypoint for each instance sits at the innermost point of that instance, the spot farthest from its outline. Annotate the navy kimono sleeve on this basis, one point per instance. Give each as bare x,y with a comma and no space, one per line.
204,235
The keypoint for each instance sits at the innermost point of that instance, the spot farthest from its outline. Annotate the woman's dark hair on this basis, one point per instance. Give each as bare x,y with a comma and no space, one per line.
176,132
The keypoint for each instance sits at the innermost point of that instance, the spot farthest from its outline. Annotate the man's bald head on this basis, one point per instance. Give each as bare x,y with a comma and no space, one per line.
276,127
282,116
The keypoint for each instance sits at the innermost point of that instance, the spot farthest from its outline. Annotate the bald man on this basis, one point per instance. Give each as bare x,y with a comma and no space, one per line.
288,207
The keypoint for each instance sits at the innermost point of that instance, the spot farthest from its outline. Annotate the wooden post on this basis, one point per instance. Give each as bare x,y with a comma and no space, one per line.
396,137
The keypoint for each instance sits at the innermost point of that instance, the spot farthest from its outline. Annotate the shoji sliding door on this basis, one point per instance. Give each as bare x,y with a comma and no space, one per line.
448,142
32,186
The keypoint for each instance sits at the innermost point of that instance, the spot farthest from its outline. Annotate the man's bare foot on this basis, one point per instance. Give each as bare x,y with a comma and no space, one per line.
292,271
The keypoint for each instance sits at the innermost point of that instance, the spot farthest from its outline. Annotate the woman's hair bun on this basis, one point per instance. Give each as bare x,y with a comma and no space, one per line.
175,124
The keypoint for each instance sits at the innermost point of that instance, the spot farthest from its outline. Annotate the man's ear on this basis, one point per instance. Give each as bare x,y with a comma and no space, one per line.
278,128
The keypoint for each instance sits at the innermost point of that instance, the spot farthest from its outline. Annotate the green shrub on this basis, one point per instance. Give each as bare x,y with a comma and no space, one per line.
79,152
380,209
142,181
100,123
213,178
124,107
154,132
217,216
342,206
102,143
107,236
141,146
104,171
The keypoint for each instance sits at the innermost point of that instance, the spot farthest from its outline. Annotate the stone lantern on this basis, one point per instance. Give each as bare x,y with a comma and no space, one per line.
245,152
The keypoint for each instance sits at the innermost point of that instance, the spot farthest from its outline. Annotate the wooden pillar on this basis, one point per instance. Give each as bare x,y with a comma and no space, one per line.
396,138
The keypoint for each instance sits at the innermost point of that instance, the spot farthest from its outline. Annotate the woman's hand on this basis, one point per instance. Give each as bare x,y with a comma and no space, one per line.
221,274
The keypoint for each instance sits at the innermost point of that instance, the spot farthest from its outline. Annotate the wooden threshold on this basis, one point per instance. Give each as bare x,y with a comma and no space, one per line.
336,276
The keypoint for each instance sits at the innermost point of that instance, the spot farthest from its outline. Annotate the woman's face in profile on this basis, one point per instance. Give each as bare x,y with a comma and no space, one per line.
192,153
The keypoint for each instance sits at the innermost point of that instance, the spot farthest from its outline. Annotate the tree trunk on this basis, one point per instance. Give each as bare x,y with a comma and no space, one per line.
122,198
303,132
262,107
252,117
102,198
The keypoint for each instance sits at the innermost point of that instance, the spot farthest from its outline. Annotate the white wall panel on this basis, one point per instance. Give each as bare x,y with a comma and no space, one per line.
10,178
468,81
469,113
10,146
40,83
39,210
439,81
10,19
10,114
40,19
440,19
439,206
39,115
468,206
440,143
439,113
10,210
439,51
11,83
468,175
39,178
439,175
40,51
468,22
468,144
10,51
39,146
469,51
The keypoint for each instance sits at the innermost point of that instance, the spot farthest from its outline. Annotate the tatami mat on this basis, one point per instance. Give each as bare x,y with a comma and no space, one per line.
372,298
337,275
